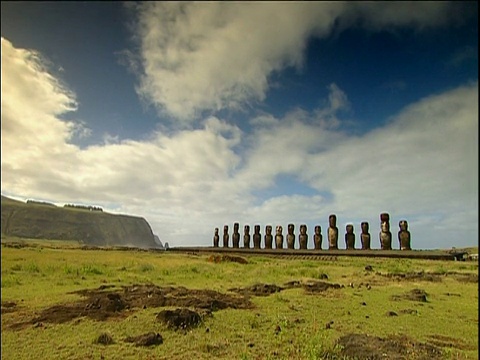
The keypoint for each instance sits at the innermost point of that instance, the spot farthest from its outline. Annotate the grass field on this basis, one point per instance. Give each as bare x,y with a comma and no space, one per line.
62,302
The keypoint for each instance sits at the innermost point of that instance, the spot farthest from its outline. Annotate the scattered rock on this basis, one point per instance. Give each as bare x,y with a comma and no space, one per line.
323,276
148,339
278,329
369,268
391,313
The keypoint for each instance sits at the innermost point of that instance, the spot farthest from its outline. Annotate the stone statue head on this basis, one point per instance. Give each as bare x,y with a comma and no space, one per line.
246,229
236,227
291,228
268,229
403,225
279,230
384,217
257,229
349,229
318,229
332,220
225,229
303,229
216,231
365,227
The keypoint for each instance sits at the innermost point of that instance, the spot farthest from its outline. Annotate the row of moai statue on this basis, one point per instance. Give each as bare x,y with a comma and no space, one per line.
385,236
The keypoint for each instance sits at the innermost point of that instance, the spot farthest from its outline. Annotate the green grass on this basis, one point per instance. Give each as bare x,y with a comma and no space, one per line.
38,277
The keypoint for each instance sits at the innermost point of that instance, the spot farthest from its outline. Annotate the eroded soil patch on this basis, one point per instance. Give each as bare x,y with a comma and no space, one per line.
102,305
8,307
227,258
413,295
180,319
431,276
148,339
449,342
258,290
311,287
366,347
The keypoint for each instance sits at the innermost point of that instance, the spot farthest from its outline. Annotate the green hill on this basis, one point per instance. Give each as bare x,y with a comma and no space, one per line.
46,221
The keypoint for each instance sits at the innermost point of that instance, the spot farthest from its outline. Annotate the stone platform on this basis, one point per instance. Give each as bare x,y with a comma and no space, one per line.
405,254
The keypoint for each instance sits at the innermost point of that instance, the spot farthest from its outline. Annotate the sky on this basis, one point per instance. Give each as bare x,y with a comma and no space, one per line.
196,115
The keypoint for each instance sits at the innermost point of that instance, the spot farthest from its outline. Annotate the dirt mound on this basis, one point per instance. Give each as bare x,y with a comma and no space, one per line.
432,276
413,295
312,286
180,319
366,347
148,339
8,307
319,286
469,278
227,258
102,305
104,339
414,276
258,290
449,342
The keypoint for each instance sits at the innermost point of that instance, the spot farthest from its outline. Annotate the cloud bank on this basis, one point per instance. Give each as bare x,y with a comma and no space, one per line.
422,165
199,57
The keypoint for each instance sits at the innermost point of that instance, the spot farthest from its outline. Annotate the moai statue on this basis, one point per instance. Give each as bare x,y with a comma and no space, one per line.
291,236
385,234
246,236
268,237
332,233
257,237
279,237
303,237
365,236
225,236
404,235
216,238
349,237
236,236
317,238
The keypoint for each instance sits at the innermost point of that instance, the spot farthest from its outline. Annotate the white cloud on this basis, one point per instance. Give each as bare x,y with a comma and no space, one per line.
208,56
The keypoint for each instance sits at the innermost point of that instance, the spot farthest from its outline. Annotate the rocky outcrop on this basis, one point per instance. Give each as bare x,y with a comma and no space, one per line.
38,221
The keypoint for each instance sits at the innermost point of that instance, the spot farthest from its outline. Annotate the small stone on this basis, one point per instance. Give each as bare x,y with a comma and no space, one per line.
277,329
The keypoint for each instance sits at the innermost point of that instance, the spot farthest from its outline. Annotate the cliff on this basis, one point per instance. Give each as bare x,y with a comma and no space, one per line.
47,221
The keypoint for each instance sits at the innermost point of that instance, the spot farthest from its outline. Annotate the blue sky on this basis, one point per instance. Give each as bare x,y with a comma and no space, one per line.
197,115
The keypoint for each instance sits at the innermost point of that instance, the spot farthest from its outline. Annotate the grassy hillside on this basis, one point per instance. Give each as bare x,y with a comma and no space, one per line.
91,304
46,221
